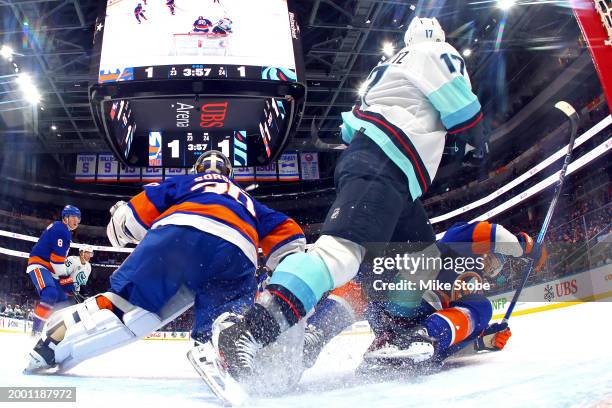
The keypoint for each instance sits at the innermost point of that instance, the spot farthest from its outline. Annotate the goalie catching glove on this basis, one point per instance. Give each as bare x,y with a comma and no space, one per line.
117,229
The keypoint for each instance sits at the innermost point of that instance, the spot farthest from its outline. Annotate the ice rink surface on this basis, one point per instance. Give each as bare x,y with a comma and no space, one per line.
557,358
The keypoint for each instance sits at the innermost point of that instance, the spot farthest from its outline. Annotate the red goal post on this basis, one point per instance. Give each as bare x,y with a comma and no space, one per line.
595,20
196,43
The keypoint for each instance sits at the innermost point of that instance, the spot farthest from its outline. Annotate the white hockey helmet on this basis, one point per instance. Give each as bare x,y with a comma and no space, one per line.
86,248
422,30
213,161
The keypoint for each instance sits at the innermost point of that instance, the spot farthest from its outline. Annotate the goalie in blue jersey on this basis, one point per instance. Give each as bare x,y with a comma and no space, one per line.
198,237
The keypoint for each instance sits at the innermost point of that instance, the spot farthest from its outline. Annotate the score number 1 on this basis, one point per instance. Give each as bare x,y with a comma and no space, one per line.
175,145
174,149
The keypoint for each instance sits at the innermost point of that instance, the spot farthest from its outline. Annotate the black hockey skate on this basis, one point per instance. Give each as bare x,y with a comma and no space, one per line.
314,341
237,350
213,361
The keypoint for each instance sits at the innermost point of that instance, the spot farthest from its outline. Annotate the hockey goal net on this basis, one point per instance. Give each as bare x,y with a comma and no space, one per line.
595,20
200,44
604,9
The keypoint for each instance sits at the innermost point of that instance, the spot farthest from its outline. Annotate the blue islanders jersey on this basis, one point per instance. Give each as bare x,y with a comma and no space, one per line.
411,101
214,204
51,249
202,24
481,237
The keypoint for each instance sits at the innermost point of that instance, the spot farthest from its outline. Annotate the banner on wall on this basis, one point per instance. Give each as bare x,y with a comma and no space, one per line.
309,162
172,172
108,168
288,167
129,174
86,168
152,174
266,173
242,174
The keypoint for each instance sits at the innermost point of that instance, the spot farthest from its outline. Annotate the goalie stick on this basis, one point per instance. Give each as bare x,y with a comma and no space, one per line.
572,115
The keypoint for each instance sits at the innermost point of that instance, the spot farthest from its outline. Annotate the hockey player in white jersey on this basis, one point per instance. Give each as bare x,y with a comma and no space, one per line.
79,268
223,26
396,135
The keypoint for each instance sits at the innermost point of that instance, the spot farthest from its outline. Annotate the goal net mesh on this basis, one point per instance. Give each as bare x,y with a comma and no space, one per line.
200,44
604,8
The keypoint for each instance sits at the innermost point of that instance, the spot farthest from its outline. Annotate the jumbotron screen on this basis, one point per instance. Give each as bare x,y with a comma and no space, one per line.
198,38
167,132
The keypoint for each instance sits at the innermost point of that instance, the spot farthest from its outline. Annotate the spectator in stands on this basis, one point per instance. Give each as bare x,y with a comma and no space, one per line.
17,312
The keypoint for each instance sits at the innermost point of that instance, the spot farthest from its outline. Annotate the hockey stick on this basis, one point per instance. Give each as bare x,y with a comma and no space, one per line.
321,145
571,113
78,297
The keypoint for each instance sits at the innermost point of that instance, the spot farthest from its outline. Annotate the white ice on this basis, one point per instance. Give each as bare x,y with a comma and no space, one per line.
557,358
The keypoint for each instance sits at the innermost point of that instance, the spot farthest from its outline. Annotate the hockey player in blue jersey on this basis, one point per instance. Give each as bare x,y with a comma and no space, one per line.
396,137
445,322
448,320
171,6
46,265
202,25
197,237
139,12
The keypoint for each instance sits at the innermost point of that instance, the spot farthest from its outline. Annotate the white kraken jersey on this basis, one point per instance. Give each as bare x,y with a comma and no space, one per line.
77,271
410,102
225,23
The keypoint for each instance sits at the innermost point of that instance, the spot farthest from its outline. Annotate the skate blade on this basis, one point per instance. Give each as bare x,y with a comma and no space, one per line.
41,370
220,382
416,353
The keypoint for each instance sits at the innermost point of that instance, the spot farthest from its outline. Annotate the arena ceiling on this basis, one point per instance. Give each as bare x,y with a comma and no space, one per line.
513,54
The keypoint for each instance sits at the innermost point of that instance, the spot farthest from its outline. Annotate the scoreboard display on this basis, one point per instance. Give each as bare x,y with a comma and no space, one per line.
175,132
234,39
170,83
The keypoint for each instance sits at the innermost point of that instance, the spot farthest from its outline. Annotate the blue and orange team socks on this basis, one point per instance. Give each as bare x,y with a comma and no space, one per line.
450,326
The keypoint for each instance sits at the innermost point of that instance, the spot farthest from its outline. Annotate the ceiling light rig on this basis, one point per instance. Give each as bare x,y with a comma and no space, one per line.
388,49
506,4
362,89
26,85
28,89
7,52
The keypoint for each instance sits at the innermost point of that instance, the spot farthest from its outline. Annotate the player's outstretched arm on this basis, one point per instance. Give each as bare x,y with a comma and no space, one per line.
279,235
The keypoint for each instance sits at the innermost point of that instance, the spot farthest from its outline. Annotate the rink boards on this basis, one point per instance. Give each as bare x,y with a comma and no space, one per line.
588,286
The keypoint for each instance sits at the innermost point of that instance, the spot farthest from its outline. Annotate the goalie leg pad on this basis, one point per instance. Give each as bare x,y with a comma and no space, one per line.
106,322
98,325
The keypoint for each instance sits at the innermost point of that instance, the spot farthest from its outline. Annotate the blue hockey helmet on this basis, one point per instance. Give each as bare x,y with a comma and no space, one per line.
71,210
